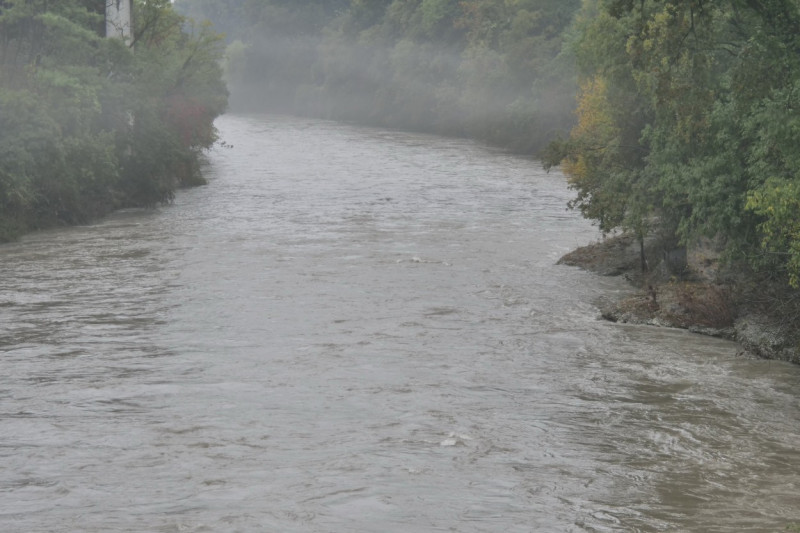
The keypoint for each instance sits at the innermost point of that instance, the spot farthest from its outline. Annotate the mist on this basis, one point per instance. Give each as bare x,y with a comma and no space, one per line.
492,72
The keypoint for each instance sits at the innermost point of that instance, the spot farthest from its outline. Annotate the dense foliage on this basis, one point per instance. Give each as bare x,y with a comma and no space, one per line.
689,124
491,69
88,125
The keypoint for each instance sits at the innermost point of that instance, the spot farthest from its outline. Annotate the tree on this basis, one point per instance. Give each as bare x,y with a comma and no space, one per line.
81,116
697,123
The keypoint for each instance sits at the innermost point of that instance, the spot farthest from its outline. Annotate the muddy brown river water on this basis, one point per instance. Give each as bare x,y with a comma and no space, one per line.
355,330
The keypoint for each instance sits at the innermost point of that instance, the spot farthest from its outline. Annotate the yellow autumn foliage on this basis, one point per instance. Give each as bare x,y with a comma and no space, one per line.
593,133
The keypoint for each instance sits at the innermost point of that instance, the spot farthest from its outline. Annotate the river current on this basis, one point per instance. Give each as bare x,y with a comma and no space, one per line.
356,330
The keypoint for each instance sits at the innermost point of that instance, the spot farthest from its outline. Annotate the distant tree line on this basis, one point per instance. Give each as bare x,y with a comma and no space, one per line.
489,69
88,125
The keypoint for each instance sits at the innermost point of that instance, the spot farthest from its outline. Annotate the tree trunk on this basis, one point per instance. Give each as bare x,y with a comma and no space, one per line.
641,253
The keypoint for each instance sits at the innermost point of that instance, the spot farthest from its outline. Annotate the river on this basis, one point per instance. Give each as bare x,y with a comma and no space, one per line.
357,330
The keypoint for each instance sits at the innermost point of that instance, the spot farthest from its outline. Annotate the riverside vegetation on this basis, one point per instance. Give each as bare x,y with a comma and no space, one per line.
676,122
687,135
87,125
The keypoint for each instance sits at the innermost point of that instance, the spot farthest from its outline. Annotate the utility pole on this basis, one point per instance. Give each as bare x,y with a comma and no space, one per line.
119,25
119,20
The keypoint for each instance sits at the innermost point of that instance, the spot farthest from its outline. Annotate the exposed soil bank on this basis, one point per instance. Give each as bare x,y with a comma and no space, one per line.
695,299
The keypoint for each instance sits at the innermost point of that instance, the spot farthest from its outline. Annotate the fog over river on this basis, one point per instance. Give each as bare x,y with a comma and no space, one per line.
355,330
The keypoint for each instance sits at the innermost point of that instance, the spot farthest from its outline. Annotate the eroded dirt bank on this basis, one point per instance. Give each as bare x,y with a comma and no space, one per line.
762,320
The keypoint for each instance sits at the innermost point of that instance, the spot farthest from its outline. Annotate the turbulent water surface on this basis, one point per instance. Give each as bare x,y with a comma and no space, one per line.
354,330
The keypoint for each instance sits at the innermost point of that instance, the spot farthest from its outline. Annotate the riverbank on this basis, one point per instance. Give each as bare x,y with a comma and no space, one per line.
762,319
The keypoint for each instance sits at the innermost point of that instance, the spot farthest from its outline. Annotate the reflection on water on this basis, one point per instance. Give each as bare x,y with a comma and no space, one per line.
357,330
